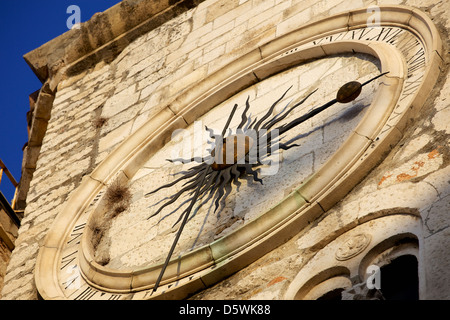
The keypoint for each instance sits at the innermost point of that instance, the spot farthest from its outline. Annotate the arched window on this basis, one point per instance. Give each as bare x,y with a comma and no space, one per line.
377,260
399,279
396,260
332,295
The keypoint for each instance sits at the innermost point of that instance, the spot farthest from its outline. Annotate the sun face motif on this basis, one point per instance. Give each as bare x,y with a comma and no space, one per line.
238,153
233,154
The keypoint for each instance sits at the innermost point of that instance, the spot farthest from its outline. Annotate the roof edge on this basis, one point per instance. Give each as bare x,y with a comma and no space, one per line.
103,37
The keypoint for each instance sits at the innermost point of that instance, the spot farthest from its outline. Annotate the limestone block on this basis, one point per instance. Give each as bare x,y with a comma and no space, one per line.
37,233
37,133
439,180
440,121
120,102
44,106
222,17
114,137
23,254
437,279
19,288
410,149
398,14
265,13
188,80
30,157
293,22
65,94
419,166
405,195
434,216
195,35
334,168
218,8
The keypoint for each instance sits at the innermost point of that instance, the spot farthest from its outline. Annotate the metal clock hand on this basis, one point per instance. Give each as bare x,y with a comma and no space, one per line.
187,212
348,92
180,230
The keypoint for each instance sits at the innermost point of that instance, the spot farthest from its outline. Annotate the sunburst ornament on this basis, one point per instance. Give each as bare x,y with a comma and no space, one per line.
239,153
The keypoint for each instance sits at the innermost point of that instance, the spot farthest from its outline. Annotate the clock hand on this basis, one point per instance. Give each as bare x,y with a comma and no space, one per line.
180,230
348,92
229,120
187,212
284,128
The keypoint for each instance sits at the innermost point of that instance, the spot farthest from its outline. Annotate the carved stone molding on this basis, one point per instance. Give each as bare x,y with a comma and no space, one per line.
353,246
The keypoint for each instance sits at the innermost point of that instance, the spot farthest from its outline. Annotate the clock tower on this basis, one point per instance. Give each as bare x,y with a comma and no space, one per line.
240,150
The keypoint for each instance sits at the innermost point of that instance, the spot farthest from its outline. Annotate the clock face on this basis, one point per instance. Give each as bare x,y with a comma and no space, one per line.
110,253
133,239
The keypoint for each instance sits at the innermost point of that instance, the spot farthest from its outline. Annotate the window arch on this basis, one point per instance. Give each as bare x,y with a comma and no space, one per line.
333,279
398,261
340,269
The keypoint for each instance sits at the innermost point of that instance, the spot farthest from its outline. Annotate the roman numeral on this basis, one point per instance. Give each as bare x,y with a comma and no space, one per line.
326,39
87,294
68,259
90,293
72,282
97,197
331,38
410,87
393,36
388,35
387,127
359,34
77,232
408,45
417,61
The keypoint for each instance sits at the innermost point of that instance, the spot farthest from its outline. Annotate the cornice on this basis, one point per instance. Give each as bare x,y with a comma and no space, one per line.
103,37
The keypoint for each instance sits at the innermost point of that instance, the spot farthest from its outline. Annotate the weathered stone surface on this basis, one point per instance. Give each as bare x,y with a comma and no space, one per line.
103,37
152,51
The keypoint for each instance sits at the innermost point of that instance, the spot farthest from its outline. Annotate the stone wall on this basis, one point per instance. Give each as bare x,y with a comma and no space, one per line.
9,227
8,233
5,254
97,108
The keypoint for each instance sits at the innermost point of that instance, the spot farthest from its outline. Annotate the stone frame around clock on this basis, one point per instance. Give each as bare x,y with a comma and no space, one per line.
293,213
362,150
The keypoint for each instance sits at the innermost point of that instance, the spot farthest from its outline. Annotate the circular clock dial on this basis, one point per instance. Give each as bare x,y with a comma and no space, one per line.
123,247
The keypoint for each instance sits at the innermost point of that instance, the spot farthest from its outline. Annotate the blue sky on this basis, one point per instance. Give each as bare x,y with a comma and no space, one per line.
24,26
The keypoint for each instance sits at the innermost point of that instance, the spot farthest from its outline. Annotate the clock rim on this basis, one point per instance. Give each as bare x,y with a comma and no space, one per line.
181,113
296,209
